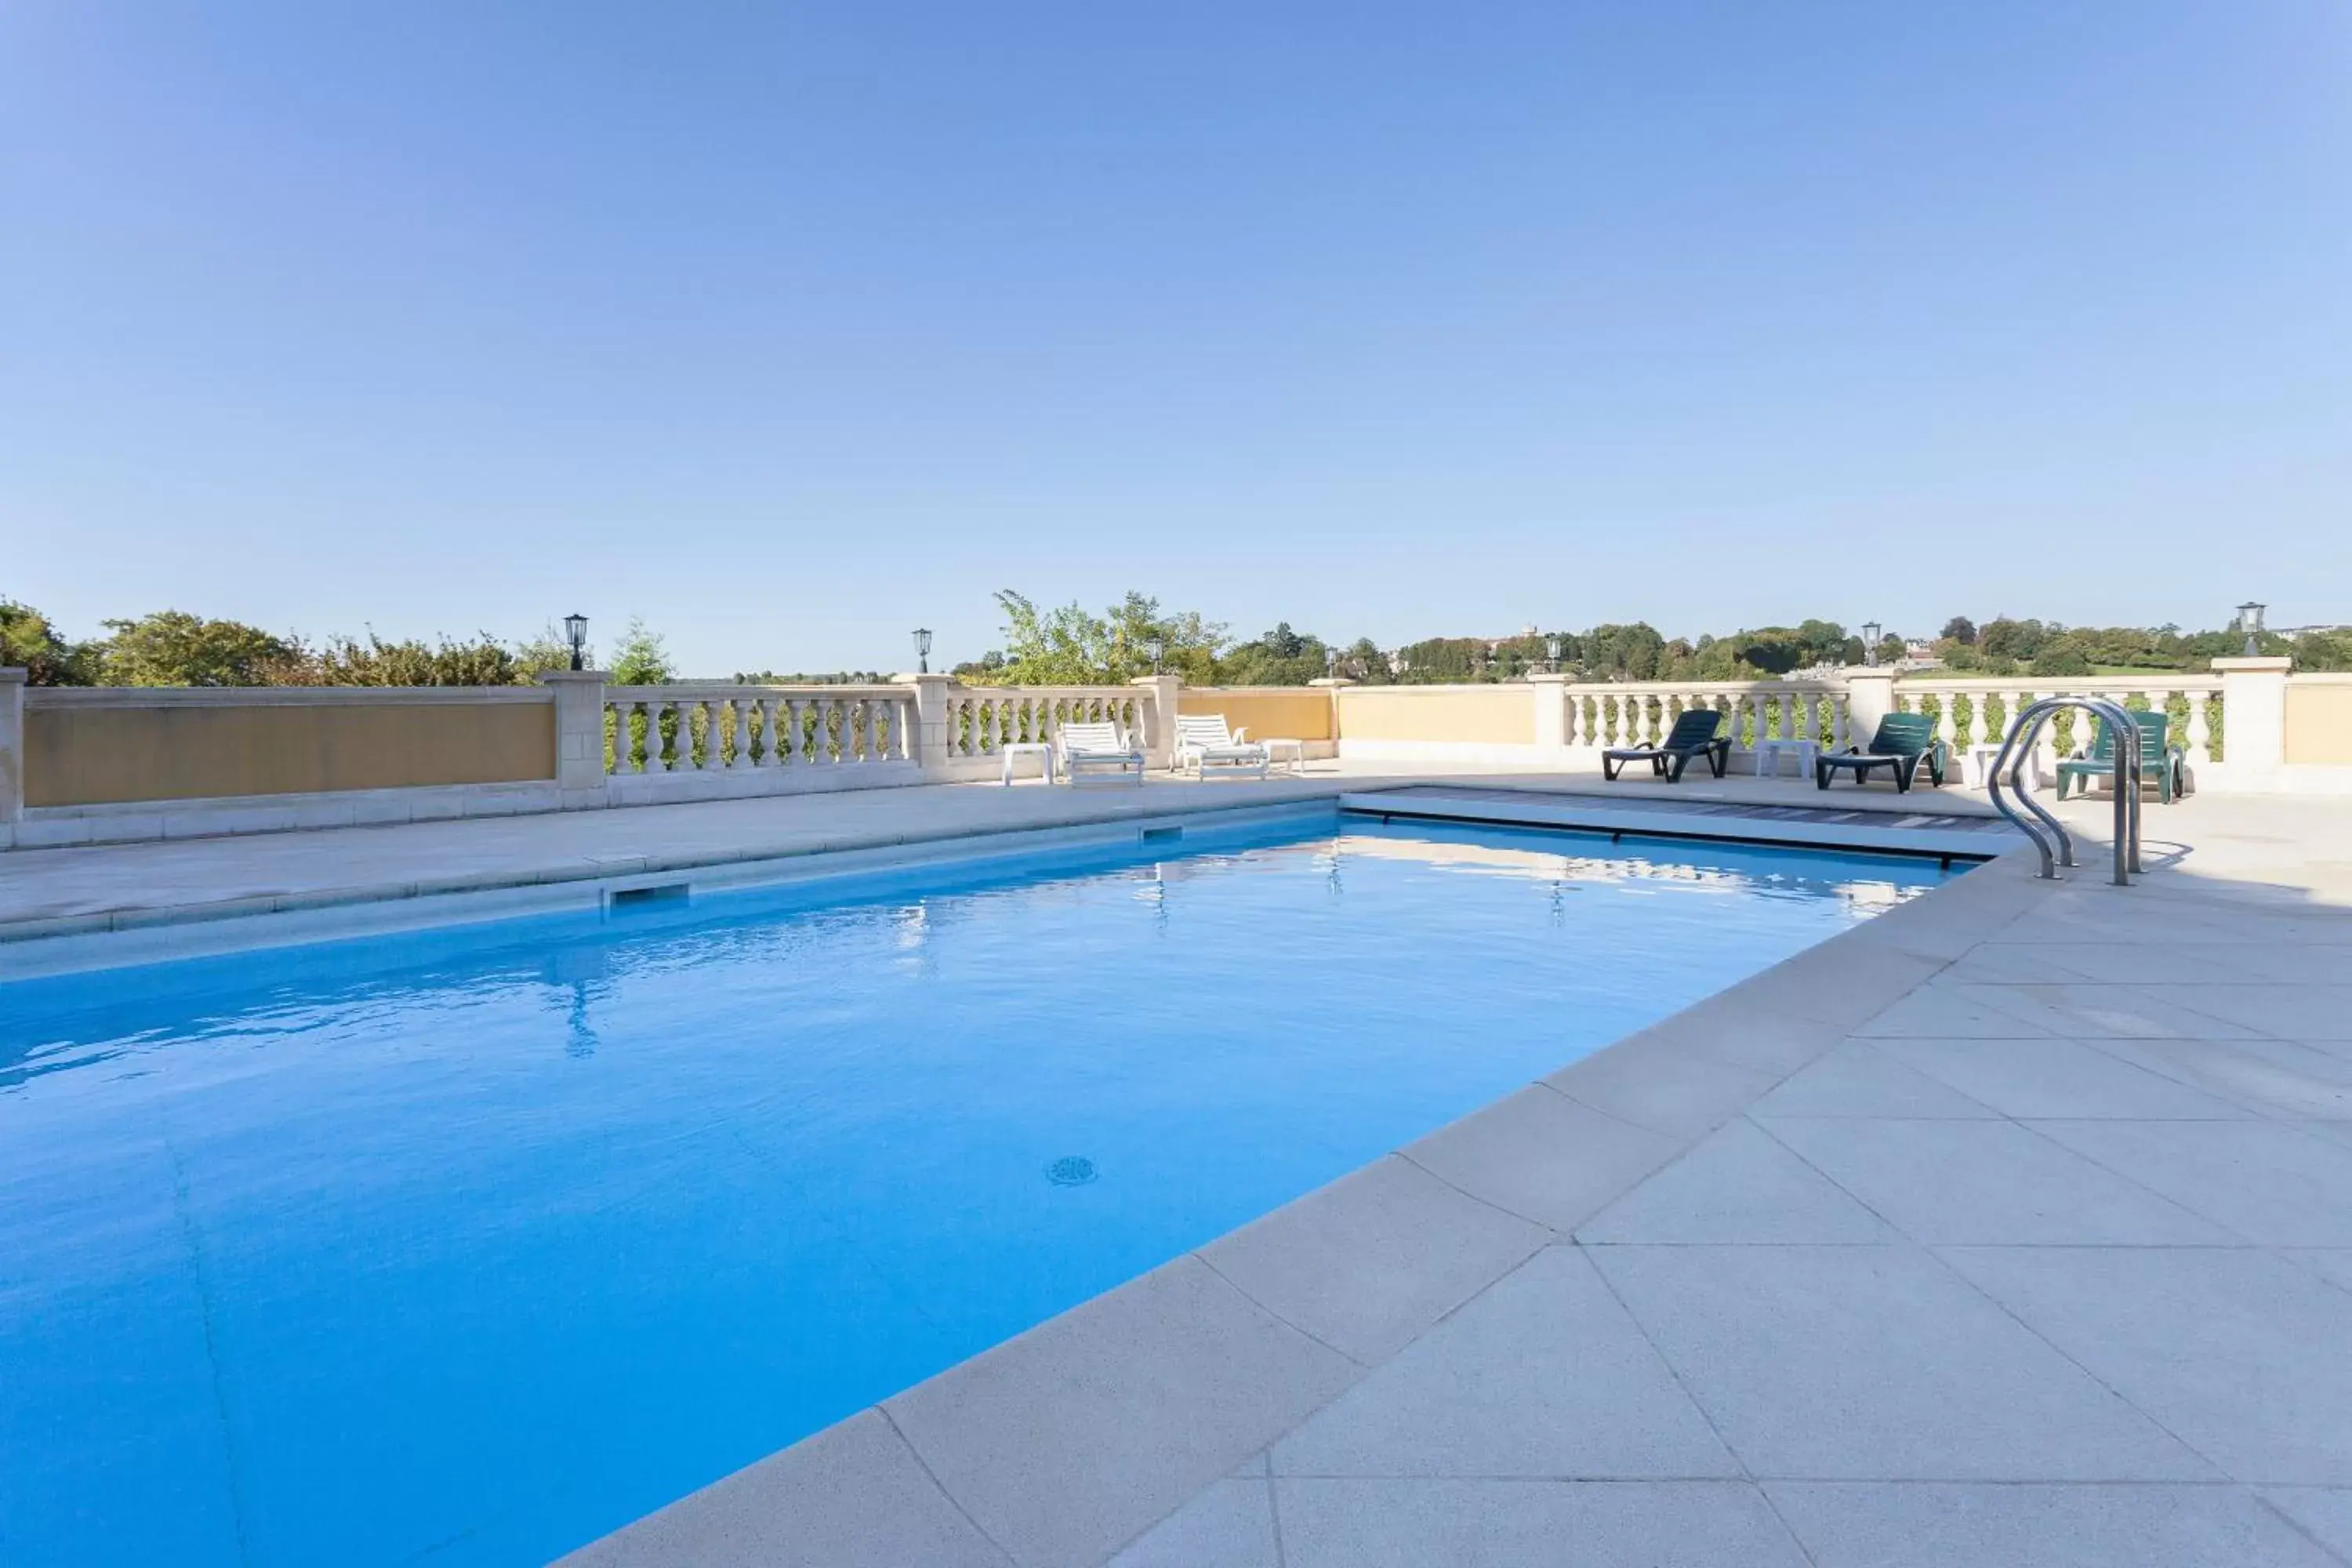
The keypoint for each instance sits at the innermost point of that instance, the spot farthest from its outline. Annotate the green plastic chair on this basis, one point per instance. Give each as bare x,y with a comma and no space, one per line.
1693,736
2158,759
1904,741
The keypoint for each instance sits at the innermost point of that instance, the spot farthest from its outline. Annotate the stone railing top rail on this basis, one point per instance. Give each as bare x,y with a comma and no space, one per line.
727,690
1710,687
1120,693
2148,680
122,697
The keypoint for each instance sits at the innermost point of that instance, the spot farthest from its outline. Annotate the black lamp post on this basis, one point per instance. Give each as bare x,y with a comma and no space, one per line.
1153,647
922,650
575,632
1554,645
2250,621
1871,632
1331,663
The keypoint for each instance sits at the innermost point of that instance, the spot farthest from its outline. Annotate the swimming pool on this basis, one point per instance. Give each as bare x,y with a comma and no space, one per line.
467,1246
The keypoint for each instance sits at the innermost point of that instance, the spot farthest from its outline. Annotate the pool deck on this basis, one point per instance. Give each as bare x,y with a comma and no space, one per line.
2013,1227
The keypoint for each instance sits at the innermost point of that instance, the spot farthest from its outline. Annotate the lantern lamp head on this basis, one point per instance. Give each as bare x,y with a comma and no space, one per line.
923,650
575,632
2250,621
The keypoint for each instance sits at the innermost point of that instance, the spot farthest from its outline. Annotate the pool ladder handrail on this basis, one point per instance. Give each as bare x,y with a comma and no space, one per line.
2017,750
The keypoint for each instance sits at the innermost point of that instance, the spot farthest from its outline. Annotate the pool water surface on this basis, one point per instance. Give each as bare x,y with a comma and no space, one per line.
465,1248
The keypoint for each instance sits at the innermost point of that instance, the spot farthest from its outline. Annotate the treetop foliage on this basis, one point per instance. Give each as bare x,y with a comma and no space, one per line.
1071,646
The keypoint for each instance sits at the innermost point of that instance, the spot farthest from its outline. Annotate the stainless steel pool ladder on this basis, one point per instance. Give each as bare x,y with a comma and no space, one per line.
2017,751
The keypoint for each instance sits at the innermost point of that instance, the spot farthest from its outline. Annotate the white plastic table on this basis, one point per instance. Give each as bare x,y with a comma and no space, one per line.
1277,745
1768,756
1976,766
1041,750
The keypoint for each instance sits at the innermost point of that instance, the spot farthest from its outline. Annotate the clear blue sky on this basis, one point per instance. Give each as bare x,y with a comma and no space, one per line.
791,326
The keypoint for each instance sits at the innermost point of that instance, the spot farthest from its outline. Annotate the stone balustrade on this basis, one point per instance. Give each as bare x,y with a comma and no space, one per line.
699,728
82,765
1977,711
1628,713
983,720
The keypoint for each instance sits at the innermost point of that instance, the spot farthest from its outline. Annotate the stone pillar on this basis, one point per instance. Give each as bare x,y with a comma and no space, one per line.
1159,706
579,735
1551,713
930,729
2254,720
1334,684
1870,697
12,742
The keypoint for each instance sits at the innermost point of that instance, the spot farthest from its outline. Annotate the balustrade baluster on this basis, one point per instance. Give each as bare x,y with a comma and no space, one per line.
2200,726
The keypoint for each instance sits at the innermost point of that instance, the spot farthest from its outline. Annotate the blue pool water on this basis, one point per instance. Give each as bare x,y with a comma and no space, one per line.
465,1248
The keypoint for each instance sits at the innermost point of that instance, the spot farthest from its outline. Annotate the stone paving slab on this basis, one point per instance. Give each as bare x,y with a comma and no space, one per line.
1879,1362
1850,1525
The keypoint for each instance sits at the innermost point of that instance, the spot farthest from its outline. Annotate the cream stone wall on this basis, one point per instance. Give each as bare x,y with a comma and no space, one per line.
1441,715
2319,719
1291,712
108,746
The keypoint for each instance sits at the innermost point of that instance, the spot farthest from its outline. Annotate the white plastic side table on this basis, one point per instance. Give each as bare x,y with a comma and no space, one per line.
1041,750
1276,746
1976,766
1768,756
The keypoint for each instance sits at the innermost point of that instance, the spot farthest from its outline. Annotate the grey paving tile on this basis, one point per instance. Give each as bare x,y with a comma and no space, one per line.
1556,1524
2109,962
2281,1078
1878,1525
2325,1512
1878,1363
1825,984
851,1495
1859,1078
1370,1261
1544,1375
1745,1027
1230,1525
1543,1156
1736,1186
2268,1181
2085,1011
2294,962
1652,1082
2056,1077
2306,1009
1150,1393
1994,1182
2328,1262
1949,1011
2239,1352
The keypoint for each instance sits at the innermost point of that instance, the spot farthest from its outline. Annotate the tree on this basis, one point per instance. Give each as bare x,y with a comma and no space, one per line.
171,648
1281,657
642,658
486,661
30,641
1961,631
1070,646
2004,638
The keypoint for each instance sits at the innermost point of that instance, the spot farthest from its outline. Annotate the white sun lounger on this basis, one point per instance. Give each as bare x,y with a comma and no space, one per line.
1097,750
1203,743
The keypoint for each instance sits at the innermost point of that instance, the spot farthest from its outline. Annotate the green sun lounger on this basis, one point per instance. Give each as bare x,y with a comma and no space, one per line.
1904,741
2158,760
1694,735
